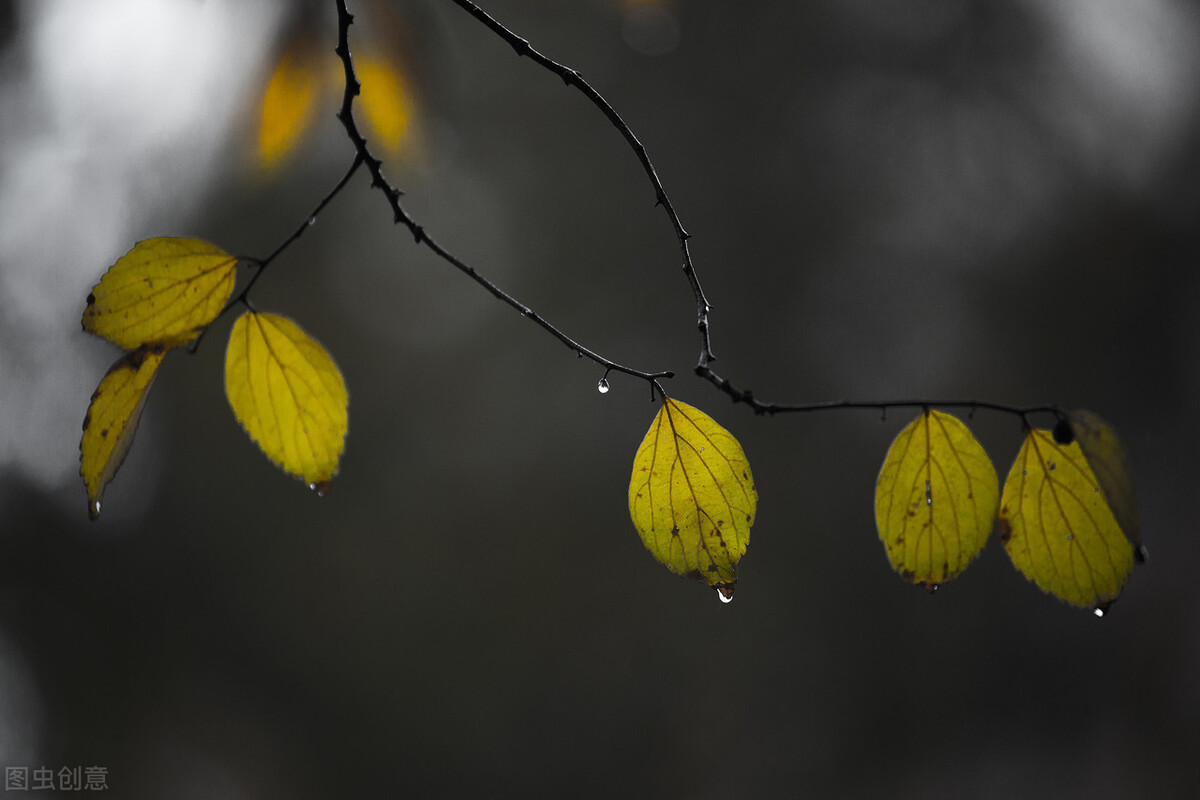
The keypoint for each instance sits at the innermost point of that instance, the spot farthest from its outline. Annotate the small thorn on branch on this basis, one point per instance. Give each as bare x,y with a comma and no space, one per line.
521,46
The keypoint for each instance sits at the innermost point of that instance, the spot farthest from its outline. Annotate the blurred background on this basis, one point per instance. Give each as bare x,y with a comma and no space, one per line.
994,199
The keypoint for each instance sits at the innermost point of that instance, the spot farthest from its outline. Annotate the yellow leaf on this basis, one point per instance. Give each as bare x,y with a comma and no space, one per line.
289,102
164,291
692,496
112,419
288,394
1106,456
935,500
386,101
1057,525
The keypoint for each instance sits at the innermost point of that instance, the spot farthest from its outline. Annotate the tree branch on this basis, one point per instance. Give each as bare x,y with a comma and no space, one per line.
400,216
572,78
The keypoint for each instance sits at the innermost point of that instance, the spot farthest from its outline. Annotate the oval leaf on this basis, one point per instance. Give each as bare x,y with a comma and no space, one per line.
112,419
692,496
288,395
1057,525
386,102
1106,456
289,100
164,291
935,500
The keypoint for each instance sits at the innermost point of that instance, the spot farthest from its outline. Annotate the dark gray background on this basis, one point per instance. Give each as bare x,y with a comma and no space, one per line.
993,200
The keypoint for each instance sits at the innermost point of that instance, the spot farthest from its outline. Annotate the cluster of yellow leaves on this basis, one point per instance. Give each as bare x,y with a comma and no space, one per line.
307,73
283,387
692,496
1067,514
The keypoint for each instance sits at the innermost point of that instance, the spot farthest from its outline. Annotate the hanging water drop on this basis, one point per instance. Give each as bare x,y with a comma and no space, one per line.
320,487
602,386
725,592
312,220
94,510
1098,611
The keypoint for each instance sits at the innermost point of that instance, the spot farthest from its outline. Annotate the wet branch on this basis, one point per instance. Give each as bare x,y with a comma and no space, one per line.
703,368
400,215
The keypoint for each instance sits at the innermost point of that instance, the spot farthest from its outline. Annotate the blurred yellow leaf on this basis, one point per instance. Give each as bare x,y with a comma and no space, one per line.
163,291
112,419
935,500
386,102
289,102
288,394
1058,527
692,496
1106,456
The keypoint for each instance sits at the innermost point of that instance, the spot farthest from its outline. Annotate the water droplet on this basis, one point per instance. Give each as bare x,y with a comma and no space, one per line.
929,494
1098,611
94,510
725,592
320,488
602,386
932,587
1141,553
312,220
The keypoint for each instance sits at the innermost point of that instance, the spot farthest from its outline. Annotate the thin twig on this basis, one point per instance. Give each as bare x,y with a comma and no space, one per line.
243,297
309,221
571,77
400,216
